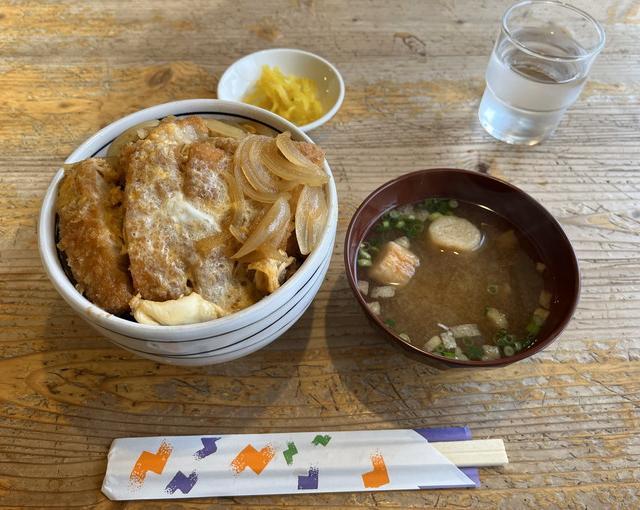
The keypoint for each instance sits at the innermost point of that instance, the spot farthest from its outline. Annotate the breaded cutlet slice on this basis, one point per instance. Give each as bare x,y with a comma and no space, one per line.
213,273
157,214
186,236
90,227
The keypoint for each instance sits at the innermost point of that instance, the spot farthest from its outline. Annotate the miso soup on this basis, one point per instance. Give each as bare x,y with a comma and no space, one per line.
455,279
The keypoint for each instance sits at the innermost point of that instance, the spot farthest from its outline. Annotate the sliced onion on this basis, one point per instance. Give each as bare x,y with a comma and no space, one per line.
277,164
247,189
254,256
250,161
224,129
237,200
249,128
274,244
310,218
271,224
133,134
238,234
290,151
207,244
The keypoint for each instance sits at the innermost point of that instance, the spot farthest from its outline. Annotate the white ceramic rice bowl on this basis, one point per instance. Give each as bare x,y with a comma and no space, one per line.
242,332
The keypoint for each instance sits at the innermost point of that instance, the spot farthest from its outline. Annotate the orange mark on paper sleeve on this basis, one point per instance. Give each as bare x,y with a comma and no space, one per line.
150,462
252,458
378,476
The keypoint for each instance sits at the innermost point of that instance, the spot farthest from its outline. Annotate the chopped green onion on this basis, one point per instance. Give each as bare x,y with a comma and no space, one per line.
528,341
508,350
502,338
492,289
453,204
443,351
364,262
474,352
533,328
414,228
364,254
437,205
386,224
394,214
517,346
400,224
390,322
434,216
404,336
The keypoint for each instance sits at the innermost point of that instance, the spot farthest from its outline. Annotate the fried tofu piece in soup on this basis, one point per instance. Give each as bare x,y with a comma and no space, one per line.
394,265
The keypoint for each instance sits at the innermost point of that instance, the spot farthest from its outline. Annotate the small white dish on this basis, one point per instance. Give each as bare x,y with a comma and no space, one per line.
241,76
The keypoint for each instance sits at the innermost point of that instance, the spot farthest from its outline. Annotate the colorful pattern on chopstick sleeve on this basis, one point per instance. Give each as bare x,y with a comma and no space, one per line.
254,459
283,463
148,461
379,475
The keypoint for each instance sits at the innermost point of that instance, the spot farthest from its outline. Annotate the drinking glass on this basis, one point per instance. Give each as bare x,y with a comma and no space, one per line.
537,69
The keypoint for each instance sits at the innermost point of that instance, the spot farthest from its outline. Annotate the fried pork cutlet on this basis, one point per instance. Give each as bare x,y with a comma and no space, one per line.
158,216
90,233
177,213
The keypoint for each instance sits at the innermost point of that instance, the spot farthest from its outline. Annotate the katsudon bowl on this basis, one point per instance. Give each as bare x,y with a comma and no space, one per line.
205,343
534,226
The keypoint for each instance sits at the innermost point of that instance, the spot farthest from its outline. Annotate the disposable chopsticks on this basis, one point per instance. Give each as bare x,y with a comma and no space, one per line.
474,453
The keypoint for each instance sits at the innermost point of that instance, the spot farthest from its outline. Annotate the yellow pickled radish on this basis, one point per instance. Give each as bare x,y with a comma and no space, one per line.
293,97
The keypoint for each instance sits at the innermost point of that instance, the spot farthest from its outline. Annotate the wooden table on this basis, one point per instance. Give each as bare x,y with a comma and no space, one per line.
414,75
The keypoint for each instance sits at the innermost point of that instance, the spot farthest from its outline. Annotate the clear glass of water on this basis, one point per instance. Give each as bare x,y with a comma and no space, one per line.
538,67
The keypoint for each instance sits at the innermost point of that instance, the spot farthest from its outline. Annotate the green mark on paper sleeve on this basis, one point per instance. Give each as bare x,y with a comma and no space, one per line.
290,452
323,440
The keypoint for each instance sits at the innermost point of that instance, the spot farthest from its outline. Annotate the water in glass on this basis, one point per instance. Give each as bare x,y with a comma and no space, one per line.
526,95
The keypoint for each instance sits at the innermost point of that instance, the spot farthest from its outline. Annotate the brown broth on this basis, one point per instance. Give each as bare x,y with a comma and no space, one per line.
453,289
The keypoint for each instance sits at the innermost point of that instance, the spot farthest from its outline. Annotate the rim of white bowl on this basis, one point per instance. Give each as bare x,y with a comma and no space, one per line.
284,322
316,123
234,321
167,345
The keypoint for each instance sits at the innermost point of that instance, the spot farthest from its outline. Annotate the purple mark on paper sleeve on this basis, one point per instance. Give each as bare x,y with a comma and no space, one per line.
451,434
182,483
210,447
310,481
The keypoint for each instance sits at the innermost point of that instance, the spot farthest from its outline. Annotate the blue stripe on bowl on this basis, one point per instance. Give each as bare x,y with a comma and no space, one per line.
199,113
178,356
208,337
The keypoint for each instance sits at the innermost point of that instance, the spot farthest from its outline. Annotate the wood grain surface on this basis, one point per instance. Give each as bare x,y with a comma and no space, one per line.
414,72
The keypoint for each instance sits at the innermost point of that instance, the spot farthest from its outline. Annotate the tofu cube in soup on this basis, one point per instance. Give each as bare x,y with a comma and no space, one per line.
490,352
394,265
497,318
433,343
448,340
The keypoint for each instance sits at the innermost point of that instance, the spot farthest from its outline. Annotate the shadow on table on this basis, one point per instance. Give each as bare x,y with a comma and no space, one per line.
99,389
383,385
